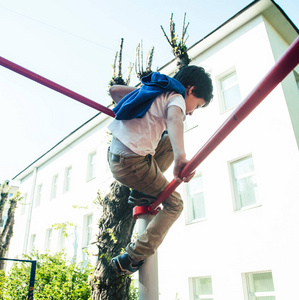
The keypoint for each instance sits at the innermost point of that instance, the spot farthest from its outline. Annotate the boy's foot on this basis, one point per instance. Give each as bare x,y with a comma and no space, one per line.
140,199
123,264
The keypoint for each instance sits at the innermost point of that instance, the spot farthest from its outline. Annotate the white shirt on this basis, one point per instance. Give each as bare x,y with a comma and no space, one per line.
142,135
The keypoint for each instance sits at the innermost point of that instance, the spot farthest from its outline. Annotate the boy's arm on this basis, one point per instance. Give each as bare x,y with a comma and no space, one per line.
117,92
175,127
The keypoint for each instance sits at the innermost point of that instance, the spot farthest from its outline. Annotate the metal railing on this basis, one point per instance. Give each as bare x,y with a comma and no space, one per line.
32,274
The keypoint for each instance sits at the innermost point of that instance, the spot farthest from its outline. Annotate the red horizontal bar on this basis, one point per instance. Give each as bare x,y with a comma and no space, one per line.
281,69
54,86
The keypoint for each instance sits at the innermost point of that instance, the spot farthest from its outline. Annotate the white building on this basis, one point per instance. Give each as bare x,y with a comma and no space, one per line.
59,189
237,238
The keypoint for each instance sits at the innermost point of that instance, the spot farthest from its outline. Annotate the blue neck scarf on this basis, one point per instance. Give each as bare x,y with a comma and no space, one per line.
138,102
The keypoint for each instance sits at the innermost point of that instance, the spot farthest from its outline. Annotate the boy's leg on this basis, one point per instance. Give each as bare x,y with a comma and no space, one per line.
164,158
144,174
164,153
150,240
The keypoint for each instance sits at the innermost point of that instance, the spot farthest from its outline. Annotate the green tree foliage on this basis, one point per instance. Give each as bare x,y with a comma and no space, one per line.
56,278
133,292
2,282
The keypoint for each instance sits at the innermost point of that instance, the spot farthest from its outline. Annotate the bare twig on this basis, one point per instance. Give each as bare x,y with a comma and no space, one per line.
114,65
166,35
149,60
140,72
183,28
141,54
177,43
130,67
136,58
120,57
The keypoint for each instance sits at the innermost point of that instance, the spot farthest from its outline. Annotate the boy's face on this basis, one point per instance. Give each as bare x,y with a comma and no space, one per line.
192,102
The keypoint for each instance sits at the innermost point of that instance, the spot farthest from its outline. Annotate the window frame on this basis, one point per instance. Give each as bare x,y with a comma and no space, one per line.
38,195
24,204
189,202
3,221
237,206
219,80
61,240
87,228
296,76
192,287
91,166
32,244
191,122
48,239
54,187
247,286
67,178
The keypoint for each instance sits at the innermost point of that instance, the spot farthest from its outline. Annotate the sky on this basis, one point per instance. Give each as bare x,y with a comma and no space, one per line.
73,43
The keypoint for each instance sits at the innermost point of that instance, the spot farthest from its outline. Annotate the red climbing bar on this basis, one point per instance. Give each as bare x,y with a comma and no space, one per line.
54,86
281,69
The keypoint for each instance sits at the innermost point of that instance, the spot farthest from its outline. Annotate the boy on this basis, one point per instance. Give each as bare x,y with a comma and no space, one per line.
147,137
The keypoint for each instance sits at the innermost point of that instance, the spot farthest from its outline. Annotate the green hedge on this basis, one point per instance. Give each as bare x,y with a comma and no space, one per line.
56,278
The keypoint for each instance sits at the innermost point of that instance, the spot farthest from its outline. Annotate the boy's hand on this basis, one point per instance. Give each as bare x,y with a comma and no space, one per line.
179,164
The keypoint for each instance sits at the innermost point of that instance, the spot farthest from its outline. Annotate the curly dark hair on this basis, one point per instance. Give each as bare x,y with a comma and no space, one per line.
197,77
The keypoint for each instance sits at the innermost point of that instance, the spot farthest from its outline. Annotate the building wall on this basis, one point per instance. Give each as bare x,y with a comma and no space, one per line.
228,243
68,207
290,86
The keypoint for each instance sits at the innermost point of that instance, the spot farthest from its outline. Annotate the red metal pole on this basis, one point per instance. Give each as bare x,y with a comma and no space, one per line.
54,86
281,69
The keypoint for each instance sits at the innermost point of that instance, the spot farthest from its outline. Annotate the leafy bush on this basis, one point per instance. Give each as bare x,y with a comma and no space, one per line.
133,292
2,282
56,278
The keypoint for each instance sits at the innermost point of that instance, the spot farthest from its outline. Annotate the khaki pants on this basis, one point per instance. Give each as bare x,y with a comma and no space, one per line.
145,174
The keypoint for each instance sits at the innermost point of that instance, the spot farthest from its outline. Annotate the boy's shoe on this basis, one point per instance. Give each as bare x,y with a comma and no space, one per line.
140,199
123,264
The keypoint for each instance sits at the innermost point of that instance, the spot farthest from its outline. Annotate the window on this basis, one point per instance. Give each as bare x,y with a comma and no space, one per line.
61,240
24,204
195,200
67,179
91,167
230,91
3,221
260,286
38,195
201,288
244,183
296,75
191,122
32,242
48,240
87,231
54,186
